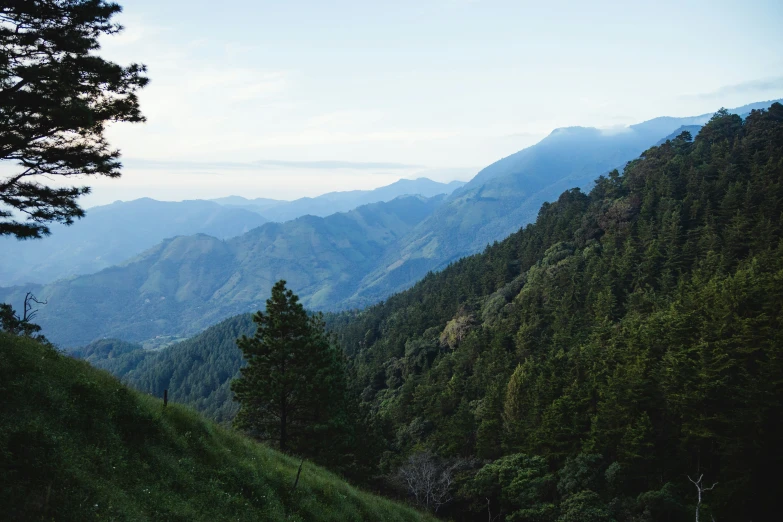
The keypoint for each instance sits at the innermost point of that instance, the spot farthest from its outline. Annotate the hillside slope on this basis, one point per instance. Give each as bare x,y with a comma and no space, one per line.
196,372
184,284
111,234
77,445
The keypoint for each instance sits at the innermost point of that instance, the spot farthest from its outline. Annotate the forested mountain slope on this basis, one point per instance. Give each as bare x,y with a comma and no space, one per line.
75,444
111,234
594,359
635,333
507,195
187,283
114,355
196,372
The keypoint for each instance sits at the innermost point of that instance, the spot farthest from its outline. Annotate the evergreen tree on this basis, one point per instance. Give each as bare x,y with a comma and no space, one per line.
56,97
292,392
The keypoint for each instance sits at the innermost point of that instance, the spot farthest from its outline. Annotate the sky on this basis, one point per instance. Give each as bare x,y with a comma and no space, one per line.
297,98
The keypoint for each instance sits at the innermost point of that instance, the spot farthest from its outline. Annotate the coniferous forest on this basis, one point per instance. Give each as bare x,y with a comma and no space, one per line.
593,362
583,368
619,358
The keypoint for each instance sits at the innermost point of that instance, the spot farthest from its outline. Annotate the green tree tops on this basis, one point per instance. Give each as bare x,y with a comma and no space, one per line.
292,391
56,97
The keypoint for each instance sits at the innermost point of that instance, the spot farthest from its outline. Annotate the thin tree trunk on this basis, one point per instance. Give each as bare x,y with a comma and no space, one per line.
299,472
283,432
700,489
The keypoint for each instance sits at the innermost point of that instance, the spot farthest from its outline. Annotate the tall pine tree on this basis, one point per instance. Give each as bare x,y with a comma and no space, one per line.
57,95
292,392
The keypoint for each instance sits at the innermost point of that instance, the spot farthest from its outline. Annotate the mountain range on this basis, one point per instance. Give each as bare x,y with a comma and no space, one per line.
585,365
185,284
331,202
509,193
110,234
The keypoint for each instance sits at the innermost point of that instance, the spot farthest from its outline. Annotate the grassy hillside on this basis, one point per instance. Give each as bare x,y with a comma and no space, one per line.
77,445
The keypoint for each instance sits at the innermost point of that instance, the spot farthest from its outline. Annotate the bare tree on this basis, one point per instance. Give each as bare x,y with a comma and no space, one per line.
428,479
11,322
701,489
490,518
29,313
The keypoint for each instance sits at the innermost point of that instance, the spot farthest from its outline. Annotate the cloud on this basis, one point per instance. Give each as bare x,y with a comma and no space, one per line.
345,118
751,86
228,83
336,164
139,163
524,134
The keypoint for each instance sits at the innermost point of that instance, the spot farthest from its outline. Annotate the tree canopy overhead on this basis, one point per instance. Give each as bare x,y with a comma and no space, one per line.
56,98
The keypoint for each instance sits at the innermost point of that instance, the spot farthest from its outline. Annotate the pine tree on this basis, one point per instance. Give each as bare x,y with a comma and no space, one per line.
292,392
56,97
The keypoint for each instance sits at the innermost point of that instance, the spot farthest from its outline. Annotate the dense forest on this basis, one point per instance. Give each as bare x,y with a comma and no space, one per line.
587,366
196,372
620,359
584,367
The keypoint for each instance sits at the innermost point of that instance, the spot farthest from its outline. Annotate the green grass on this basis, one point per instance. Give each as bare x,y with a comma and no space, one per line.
75,444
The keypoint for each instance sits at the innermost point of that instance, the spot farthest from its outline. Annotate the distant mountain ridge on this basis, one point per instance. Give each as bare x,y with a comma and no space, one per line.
346,260
662,126
331,202
187,283
110,234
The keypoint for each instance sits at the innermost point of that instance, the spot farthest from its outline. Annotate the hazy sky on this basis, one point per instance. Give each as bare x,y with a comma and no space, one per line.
292,98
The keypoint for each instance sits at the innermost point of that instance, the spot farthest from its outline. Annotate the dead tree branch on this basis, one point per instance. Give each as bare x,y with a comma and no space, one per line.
700,489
